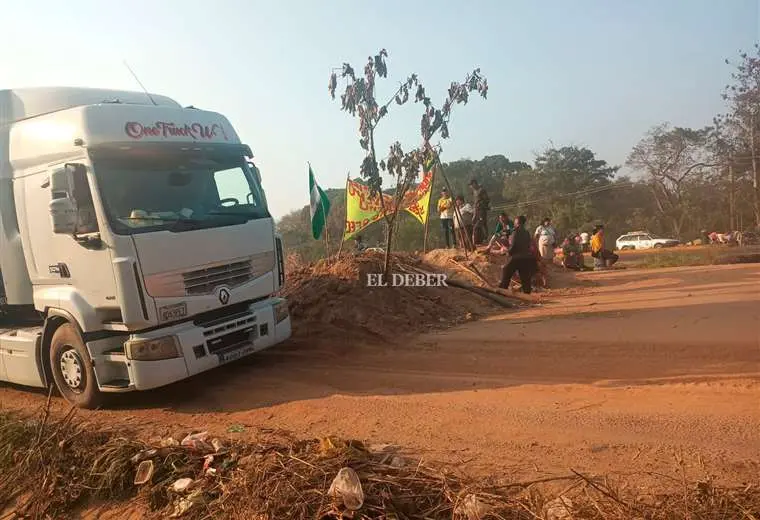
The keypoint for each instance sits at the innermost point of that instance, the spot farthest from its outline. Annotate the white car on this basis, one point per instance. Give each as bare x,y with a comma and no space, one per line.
643,240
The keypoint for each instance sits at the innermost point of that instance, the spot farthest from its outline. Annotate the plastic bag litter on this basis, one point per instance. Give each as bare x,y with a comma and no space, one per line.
181,485
348,488
559,509
143,455
197,441
144,472
397,462
185,504
169,442
473,507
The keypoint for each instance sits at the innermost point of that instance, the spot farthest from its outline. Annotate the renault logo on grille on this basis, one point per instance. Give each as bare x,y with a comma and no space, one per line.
224,296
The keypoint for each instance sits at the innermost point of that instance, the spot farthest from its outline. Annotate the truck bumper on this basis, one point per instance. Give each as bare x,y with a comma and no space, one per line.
213,343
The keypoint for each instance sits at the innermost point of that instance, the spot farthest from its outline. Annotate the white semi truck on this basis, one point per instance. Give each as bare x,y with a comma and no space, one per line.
136,246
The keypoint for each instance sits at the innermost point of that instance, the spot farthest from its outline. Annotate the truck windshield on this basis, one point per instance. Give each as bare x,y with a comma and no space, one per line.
178,193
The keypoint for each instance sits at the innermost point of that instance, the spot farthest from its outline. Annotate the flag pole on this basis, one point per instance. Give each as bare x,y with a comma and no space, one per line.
343,232
324,216
427,218
467,243
327,238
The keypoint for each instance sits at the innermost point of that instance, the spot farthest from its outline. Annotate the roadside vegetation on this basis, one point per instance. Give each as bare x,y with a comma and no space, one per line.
57,467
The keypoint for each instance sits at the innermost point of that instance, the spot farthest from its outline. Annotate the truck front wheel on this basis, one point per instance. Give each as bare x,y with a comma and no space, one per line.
72,369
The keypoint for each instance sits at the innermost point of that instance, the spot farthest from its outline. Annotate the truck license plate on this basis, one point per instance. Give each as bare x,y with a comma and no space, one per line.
237,354
248,348
173,312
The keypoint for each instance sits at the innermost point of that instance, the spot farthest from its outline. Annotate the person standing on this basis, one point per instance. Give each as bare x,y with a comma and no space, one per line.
546,236
446,212
521,259
463,228
480,220
598,250
585,238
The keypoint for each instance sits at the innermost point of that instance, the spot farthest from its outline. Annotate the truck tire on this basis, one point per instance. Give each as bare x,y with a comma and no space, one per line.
72,368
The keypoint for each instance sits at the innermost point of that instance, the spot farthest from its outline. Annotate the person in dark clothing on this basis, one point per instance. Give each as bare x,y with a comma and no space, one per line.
522,259
480,219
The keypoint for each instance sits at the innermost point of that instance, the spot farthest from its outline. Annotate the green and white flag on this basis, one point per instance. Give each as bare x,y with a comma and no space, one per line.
320,206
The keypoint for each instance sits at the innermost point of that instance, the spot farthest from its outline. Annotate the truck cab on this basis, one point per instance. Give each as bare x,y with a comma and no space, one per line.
138,235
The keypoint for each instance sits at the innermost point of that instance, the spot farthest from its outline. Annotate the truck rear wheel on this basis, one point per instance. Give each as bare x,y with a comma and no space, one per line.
72,368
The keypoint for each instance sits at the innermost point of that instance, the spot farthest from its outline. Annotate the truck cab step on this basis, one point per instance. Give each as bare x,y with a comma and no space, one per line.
116,385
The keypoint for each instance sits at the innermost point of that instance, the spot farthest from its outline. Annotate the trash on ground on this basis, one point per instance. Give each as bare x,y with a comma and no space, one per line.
348,488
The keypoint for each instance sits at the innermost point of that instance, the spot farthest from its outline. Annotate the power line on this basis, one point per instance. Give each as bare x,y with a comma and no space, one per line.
580,193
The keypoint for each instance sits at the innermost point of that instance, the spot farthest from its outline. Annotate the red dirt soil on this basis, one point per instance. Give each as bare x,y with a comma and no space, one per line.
642,370
331,300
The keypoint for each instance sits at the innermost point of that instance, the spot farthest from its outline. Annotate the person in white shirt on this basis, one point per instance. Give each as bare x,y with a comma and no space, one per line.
463,228
585,242
546,237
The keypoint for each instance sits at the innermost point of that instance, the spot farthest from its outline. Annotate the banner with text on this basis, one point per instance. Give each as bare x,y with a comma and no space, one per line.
417,201
363,209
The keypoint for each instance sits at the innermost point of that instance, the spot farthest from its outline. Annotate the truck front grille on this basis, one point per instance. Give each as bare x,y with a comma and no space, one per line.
204,281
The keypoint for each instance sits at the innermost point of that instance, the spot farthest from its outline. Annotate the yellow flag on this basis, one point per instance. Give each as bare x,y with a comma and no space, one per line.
419,202
362,209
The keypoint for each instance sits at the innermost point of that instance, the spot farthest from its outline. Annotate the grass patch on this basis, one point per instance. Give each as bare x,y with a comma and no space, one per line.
710,256
53,469
677,259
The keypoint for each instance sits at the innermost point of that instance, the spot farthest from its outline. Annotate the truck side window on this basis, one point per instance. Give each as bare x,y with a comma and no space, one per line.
233,184
86,220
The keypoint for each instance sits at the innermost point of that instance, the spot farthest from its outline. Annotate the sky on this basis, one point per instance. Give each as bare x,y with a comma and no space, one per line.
595,73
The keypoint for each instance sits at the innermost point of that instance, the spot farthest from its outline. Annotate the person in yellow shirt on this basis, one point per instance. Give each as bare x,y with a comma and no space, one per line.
598,251
446,212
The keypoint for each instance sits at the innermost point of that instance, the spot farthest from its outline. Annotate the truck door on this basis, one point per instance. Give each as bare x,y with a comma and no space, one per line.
84,259
79,263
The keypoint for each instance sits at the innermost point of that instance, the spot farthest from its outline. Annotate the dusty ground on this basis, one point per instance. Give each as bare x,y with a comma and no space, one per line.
627,376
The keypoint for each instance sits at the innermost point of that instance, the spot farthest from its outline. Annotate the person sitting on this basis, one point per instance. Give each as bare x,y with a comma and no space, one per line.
360,245
604,257
500,238
572,254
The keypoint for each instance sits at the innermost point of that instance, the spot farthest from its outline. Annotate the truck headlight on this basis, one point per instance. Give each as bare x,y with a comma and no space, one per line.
281,311
152,349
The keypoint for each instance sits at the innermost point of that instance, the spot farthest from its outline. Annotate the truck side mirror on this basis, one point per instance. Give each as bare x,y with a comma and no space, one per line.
63,215
63,207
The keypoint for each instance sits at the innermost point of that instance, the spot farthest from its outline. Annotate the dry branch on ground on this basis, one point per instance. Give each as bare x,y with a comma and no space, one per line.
52,468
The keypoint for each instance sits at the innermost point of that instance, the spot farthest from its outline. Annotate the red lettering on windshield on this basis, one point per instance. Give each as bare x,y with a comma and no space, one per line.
195,131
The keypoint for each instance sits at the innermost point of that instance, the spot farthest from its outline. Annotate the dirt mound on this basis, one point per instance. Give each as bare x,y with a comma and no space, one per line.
331,299
452,261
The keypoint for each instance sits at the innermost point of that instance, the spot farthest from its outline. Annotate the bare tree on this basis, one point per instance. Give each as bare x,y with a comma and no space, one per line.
671,157
359,99
743,97
722,144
